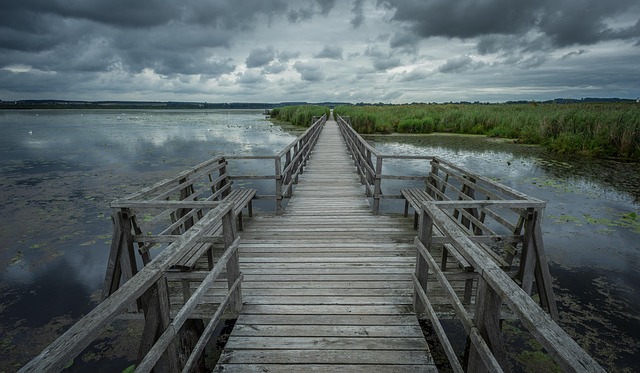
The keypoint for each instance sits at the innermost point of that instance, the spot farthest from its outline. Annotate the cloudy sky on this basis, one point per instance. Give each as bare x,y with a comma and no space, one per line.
319,50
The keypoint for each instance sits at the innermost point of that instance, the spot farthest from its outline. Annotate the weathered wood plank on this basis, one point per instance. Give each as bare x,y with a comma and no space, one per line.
293,356
326,331
326,368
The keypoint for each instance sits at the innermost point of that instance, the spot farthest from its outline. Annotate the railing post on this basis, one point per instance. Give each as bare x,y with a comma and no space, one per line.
278,172
377,190
233,265
533,264
287,176
157,317
122,261
487,320
432,180
225,181
425,234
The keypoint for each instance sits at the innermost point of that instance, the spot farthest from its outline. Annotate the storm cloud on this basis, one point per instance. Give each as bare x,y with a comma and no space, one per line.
316,50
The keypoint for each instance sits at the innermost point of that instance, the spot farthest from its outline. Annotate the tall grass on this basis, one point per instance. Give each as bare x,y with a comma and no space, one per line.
594,129
301,115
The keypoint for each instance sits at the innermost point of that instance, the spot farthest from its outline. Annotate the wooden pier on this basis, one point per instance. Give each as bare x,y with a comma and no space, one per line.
328,282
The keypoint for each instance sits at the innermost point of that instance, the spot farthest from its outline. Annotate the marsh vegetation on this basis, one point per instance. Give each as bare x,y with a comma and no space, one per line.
594,129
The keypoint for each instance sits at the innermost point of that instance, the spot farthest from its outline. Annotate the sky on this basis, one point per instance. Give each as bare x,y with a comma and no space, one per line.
391,51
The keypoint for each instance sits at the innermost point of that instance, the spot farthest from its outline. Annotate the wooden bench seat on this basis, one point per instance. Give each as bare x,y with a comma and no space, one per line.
414,198
240,198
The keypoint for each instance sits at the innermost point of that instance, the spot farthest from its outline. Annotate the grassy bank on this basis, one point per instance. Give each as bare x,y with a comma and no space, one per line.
299,115
600,130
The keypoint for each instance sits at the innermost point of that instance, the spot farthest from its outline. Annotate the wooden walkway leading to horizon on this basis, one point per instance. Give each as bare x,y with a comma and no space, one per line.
327,285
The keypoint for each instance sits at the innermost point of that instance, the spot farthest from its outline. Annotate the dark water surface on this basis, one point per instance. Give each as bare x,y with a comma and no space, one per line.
60,169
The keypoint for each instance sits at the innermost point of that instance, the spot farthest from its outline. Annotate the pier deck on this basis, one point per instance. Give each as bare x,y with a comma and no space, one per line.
327,284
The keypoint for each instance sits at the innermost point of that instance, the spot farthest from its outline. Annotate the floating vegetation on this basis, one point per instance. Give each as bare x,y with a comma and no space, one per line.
629,220
17,258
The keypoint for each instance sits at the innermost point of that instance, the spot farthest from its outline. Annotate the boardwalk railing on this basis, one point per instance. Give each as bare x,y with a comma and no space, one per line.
369,163
488,240
159,347
288,164
495,289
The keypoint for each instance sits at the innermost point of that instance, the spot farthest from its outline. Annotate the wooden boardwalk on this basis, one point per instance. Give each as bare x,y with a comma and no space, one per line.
327,285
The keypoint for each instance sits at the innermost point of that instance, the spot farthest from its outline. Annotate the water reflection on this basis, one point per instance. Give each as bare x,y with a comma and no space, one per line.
58,172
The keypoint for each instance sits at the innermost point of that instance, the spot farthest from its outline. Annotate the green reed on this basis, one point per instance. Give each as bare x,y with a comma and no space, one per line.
301,115
593,129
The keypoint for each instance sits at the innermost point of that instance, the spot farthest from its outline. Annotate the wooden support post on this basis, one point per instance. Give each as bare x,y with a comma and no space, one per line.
224,182
287,176
157,318
377,188
146,257
278,173
299,161
122,261
425,234
233,265
510,250
528,255
544,284
431,180
184,193
487,320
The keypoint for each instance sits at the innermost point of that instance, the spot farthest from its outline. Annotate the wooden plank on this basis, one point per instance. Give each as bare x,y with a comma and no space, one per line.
326,331
310,320
326,368
365,357
416,342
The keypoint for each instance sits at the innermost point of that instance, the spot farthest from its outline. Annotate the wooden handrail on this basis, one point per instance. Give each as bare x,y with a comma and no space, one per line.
81,334
497,285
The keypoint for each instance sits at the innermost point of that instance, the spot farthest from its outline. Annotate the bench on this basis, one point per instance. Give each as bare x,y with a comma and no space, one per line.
240,198
414,198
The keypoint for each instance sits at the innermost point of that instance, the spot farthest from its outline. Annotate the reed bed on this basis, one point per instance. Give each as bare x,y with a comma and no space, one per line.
592,129
301,115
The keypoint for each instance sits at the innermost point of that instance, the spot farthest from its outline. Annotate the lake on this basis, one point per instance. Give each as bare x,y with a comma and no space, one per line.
61,168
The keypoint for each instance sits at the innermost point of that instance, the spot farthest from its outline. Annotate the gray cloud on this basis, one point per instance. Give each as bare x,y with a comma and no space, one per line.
198,49
563,22
459,64
261,56
575,53
333,52
358,13
414,75
250,77
309,72
383,64
405,40
309,10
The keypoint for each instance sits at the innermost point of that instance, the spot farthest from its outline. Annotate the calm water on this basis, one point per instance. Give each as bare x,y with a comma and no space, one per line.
58,172
60,169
